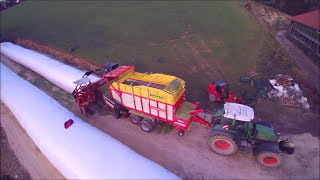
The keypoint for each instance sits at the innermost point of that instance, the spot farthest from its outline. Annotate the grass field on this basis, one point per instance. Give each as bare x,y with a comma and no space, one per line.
199,41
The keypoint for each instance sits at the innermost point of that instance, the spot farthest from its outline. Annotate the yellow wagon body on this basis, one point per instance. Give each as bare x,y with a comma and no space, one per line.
159,87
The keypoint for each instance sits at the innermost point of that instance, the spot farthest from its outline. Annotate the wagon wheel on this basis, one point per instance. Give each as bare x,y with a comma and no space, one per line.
90,110
153,122
223,145
269,159
181,133
212,98
146,126
135,119
116,114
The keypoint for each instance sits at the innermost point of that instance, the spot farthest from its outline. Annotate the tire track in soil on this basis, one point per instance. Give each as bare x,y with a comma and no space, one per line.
221,69
179,54
201,61
182,57
203,64
203,45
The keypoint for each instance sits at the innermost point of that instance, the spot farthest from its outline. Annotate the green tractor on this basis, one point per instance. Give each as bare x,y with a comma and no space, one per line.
233,128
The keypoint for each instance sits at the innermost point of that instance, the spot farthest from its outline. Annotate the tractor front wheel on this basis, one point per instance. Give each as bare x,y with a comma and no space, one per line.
223,145
269,159
212,98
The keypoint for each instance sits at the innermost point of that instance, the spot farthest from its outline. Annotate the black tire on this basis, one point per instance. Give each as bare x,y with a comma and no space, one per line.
269,159
116,114
223,145
180,133
90,110
146,126
99,98
135,119
154,122
124,112
212,98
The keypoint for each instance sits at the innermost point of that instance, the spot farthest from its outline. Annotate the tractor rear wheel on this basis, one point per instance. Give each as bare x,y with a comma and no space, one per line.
223,145
212,98
269,159
135,119
146,126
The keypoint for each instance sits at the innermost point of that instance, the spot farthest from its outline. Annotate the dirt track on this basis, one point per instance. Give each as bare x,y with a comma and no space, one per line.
10,167
189,156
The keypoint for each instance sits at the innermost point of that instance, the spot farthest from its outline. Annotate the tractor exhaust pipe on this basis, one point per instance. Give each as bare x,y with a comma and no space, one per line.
286,146
88,73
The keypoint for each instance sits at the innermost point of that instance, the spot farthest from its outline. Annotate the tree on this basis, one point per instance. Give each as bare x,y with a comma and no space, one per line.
293,7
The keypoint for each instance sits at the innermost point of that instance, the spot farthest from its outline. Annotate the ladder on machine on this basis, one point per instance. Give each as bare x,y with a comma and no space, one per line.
84,94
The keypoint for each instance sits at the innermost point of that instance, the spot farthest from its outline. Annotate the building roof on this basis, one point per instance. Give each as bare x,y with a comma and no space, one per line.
311,19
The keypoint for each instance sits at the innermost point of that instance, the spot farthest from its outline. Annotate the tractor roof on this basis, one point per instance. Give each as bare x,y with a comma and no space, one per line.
238,112
221,83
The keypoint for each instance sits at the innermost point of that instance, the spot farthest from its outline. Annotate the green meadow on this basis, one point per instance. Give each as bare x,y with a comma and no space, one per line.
198,41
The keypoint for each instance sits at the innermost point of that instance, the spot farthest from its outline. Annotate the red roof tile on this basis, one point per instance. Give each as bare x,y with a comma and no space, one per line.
310,19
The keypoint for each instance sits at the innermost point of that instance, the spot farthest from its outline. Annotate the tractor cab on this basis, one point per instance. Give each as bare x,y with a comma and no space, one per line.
234,117
219,91
222,88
